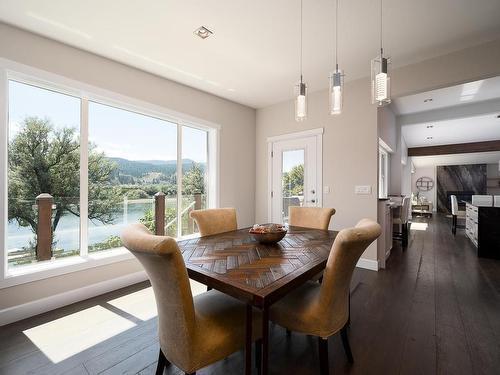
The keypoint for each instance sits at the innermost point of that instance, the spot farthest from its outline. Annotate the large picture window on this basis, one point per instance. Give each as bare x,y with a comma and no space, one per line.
69,201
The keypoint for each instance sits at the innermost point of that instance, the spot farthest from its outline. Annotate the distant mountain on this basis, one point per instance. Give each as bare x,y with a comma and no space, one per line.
140,168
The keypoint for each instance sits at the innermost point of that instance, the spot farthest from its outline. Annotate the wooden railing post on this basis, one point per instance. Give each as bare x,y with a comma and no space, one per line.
197,206
44,228
160,214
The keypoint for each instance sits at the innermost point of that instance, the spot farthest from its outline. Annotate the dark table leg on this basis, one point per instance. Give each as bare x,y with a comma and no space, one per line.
248,341
265,340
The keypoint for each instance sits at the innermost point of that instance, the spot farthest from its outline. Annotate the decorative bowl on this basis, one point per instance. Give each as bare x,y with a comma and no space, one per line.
268,233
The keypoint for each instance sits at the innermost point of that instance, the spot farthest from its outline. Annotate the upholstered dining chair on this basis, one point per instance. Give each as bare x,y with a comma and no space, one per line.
193,333
215,220
310,217
322,310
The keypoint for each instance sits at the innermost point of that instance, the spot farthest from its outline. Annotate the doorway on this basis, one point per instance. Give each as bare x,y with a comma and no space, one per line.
295,173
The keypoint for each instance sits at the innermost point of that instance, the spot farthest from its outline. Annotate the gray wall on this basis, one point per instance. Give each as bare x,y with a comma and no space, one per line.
237,136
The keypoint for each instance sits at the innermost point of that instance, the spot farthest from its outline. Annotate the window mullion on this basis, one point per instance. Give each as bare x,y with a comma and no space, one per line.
4,89
179,180
84,176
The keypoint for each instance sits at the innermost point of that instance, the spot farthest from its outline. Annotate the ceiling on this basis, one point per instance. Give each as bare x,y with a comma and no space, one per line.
463,130
466,93
252,58
457,159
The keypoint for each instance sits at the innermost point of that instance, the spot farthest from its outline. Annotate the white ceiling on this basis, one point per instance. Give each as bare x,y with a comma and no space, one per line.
463,130
457,159
252,58
466,93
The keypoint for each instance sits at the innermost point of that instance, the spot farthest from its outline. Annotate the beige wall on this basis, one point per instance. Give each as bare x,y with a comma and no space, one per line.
350,140
237,136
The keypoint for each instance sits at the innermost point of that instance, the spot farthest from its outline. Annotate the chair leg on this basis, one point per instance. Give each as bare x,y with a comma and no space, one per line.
162,363
454,225
323,356
345,342
320,280
258,354
288,333
404,236
209,289
349,306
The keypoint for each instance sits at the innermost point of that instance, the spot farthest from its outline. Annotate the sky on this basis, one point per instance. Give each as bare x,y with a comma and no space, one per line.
292,158
116,132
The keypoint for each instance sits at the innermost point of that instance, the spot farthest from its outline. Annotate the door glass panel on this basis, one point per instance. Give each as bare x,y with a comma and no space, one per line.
292,180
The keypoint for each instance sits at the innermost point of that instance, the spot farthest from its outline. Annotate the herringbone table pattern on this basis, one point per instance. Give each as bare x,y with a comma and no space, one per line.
238,257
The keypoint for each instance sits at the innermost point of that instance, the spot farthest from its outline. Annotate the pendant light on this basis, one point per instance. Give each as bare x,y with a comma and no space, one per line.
301,87
381,82
336,88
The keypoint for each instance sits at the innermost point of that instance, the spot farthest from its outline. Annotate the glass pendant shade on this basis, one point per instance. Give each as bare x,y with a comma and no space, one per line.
381,82
336,92
300,101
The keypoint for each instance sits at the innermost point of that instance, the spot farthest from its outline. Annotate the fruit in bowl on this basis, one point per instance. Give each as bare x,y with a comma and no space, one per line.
268,233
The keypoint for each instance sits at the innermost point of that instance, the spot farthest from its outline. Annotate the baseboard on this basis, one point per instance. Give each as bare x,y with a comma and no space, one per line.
29,309
368,264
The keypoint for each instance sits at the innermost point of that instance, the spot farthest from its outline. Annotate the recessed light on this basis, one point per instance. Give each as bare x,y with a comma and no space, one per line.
203,32
430,126
430,138
428,100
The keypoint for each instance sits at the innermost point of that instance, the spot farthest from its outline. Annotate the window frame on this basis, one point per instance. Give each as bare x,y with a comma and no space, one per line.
10,70
383,178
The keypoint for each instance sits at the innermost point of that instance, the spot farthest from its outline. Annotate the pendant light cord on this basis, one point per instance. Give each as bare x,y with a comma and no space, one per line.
336,34
300,41
381,22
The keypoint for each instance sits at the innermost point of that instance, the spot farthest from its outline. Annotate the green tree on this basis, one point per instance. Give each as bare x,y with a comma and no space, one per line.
193,181
47,160
293,181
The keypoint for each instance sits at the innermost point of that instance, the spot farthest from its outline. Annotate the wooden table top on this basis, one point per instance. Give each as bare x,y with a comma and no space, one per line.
258,274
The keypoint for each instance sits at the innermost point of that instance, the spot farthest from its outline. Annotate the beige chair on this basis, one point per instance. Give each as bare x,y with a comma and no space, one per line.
310,217
323,309
215,220
193,333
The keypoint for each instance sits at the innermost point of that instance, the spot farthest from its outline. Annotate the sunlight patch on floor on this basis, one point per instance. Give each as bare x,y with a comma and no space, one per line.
140,304
419,226
72,334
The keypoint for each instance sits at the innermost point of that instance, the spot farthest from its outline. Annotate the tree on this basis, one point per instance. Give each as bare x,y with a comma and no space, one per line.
193,182
47,160
293,181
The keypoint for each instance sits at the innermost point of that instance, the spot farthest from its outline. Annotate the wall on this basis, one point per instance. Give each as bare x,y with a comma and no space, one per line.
459,178
350,141
425,172
237,136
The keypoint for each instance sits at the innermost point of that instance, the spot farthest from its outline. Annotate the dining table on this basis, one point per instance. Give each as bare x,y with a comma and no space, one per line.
257,274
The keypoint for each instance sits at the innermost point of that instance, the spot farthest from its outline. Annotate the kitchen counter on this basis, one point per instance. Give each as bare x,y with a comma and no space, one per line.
482,227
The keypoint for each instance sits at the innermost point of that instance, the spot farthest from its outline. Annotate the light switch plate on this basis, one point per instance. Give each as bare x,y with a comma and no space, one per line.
363,189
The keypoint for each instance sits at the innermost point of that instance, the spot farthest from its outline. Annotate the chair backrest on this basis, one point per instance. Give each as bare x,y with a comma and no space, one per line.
405,210
215,220
310,217
454,204
349,245
163,262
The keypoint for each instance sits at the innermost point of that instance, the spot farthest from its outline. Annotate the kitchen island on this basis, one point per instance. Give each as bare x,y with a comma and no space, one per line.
482,227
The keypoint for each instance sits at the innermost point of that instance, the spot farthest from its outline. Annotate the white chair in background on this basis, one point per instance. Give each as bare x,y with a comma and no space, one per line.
455,213
402,222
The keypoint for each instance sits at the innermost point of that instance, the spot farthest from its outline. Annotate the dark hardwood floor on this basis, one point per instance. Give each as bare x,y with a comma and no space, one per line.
435,309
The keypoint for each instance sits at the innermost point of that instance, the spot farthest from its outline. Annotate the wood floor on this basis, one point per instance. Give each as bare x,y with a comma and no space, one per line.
434,310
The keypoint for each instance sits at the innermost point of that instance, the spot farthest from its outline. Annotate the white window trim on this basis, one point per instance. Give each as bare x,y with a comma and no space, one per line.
383,149
10,70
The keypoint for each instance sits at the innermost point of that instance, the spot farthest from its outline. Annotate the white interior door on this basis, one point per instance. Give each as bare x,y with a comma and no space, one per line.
295,175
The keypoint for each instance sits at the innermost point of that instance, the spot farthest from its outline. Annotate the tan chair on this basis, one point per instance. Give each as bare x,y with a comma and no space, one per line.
310,217
323,309
215,220
193,333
